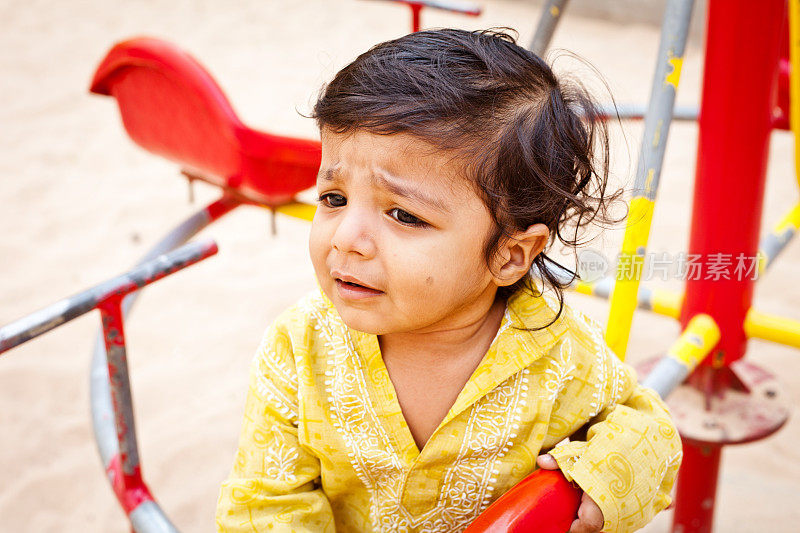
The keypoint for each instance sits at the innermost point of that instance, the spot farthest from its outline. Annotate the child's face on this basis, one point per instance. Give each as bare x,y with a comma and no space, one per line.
424,259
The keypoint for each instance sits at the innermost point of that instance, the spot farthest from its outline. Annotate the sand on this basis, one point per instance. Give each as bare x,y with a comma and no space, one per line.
81,203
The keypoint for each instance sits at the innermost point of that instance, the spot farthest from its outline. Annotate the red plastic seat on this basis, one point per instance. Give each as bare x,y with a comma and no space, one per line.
171,106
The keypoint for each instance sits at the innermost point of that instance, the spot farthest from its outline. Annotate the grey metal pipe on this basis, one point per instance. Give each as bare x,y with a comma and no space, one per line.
147,517
674,31
456,6
694,344
667,375
638,111
63,311
551,14
774,242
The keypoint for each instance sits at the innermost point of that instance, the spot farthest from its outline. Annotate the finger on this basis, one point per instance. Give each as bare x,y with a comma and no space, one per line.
590,517
579,526
547,462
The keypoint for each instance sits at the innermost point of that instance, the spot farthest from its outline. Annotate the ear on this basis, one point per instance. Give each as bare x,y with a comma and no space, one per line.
515,255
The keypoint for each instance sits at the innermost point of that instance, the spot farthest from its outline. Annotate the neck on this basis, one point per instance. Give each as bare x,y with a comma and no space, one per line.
470,337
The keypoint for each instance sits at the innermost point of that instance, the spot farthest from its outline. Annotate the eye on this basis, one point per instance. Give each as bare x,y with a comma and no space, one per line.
406,218
332,200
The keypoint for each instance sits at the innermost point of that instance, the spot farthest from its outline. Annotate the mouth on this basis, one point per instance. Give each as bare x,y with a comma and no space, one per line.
351,287
351,284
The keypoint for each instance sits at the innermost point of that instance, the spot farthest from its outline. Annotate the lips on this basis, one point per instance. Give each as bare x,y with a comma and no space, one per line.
352,281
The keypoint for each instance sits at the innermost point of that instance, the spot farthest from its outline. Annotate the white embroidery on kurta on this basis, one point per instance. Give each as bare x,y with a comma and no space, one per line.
268,365
563,371
468,484
280,459
279,368
605,358
670,461
372,455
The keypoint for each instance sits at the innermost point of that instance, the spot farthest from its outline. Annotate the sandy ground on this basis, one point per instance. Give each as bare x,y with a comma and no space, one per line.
81,203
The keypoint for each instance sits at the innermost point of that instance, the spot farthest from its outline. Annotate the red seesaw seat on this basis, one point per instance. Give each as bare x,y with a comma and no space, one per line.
171,106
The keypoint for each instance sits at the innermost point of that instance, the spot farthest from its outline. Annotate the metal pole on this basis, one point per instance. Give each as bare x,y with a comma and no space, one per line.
794,80
637,112
123,467
694,345
416,9
674,31
734,133
117,357
774,242
148,515
551,14
698,497
456,6
61,312
742,52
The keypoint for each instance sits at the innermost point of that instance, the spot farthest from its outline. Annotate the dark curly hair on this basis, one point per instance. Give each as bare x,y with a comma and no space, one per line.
535,148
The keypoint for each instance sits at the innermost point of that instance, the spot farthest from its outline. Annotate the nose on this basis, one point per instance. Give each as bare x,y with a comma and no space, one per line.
355,233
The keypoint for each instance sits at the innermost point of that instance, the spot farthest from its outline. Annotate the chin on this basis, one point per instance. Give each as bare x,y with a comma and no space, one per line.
359,320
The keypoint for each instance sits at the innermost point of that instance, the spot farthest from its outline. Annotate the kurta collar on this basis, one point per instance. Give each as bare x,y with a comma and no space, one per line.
511,350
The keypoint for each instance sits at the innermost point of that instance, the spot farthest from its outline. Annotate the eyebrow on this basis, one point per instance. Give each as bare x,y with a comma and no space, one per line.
394,187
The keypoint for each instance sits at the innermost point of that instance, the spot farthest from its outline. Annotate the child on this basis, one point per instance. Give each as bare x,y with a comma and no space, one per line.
428,372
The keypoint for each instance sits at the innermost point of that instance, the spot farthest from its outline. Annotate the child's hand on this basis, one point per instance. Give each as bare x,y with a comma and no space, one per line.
590,516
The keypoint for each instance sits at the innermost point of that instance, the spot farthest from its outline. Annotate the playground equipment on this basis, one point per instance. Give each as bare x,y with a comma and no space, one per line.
172,107
725,399
455,6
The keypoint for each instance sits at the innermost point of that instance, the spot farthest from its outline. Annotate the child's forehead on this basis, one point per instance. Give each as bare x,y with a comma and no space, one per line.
392,161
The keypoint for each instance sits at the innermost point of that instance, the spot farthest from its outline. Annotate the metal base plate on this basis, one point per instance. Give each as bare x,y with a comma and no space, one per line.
752,411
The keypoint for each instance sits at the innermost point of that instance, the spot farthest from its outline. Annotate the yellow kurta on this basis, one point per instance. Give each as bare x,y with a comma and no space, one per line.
324,445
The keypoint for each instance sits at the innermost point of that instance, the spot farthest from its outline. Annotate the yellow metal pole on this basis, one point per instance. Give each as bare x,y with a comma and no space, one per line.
674,31
696,341
629,270
660,301
777,239
667,303
299,210
772,328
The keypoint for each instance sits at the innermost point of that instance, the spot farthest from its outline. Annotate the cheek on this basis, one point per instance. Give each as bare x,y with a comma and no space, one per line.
318,243
439,266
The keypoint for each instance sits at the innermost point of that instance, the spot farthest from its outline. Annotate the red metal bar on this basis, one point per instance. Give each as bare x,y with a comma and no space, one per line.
694,509
416,9
780,113
743,45
124,472
455,6
742,53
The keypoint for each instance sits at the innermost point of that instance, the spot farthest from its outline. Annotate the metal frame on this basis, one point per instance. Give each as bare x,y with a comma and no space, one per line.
723,400
145,515
114,423
548,22
654,141
456,6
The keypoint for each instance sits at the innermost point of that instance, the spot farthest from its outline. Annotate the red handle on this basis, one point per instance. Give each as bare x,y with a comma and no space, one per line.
544,502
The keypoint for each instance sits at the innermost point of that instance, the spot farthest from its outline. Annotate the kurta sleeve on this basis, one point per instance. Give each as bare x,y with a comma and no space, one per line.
629,450
274,484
